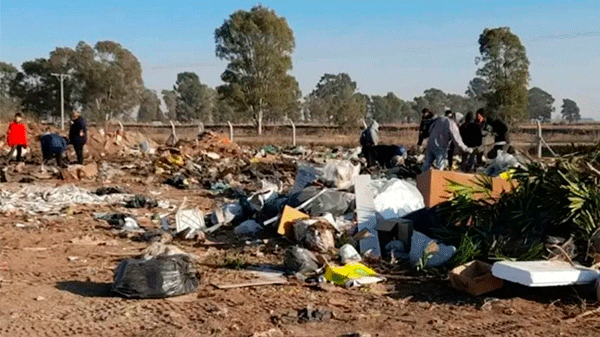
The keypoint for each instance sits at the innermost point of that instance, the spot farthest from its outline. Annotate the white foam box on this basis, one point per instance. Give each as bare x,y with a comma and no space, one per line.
543,273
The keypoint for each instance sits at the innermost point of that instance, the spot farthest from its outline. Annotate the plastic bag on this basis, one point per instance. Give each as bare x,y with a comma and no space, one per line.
159,277
501,163
395,198
340,173
334,202
300,260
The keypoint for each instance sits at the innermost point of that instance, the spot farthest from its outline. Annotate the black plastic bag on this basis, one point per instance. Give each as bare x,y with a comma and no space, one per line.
159,277
141,201
331,201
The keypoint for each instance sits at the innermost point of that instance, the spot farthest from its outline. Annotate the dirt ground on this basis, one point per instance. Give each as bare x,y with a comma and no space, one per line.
56,273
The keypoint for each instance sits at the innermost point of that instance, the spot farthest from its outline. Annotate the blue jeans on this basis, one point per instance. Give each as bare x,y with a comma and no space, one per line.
436,157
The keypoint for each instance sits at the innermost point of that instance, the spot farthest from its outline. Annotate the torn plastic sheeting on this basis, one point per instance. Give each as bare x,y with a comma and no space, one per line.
259,199
341,173
191,219
227,213
395,198
418,244
305,176
330,201
366,215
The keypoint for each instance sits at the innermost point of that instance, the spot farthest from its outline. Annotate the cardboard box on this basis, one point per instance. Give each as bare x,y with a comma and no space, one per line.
474,278
433,185
394,229
286,222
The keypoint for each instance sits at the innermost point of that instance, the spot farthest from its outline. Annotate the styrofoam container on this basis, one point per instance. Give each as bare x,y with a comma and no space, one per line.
543,273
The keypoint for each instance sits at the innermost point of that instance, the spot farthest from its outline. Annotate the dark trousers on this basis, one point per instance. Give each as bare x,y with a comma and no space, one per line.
450,156
19,149
58,157
79,151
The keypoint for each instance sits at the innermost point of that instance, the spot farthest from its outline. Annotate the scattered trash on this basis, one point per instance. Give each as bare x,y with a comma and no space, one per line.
314,234
118,221
178,181
248,227
349,254
351,275
418,245
340,173
287,220
544,273
141,201
474,278
300,260
189,223
106,190
227,213
158,277
321,201
309,314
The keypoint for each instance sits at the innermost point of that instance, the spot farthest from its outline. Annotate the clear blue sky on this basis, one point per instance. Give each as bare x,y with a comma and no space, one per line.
399,46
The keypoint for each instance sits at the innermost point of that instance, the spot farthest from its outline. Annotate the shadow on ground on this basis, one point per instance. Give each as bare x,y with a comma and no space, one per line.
86,289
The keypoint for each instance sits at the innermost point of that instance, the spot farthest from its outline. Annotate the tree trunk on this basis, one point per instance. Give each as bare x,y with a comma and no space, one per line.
259,122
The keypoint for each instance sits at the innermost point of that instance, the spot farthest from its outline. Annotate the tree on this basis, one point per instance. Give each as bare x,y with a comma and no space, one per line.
8,103
105,81
335,100
258,45
539,104
387,109
193,98
170,99
478,89
149,107
505,69
570,110
433,99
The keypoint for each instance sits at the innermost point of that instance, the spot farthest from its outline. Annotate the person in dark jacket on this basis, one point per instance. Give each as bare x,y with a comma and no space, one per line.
426,121
78,135
53,146
472,136
500,131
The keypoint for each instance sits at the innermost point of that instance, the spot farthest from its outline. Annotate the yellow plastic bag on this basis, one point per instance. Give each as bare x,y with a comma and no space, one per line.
351,274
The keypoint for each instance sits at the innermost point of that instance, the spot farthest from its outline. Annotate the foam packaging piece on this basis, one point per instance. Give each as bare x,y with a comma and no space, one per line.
543,273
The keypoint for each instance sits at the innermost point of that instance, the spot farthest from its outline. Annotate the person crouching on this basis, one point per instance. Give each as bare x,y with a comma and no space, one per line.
53,146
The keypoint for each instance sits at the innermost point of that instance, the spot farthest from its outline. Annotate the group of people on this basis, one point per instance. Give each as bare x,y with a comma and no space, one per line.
444,135
53,145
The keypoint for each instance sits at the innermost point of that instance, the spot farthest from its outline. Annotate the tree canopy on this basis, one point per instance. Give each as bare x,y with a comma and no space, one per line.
570,110
505,74
539,104
194,101
258,45
336,100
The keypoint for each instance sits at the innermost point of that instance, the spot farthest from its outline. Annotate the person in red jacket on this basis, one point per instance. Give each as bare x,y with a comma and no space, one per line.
16,137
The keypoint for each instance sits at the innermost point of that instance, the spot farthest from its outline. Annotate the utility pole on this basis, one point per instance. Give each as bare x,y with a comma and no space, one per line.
61,77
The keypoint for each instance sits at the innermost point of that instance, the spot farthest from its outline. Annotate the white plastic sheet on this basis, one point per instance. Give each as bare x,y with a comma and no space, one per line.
341,173
395,198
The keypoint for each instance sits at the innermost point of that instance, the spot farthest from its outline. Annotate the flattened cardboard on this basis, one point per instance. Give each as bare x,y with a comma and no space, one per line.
286,221
433,185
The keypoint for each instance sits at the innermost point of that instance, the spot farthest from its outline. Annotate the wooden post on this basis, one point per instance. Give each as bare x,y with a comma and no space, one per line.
200,128
293,133
539,146
230,131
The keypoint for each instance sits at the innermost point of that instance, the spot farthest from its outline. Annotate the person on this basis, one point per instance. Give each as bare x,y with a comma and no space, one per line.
369,138
481,121
452,116
53,146
471,134
16,136
78,135
386,156
500,131
425,125
442,133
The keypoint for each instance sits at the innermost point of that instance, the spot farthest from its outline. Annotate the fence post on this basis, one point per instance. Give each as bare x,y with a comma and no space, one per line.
230,131
540,140
293,133
200,127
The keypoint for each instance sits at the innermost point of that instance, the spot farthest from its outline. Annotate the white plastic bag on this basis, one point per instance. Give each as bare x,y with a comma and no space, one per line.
395,198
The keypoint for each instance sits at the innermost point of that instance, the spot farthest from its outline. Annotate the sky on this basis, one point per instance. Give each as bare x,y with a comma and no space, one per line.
404,47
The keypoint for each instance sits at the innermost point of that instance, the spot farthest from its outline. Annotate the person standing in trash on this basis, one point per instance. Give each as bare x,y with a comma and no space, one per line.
369,138
78,135
442,133
452,116
500,131
472,136
53,146
426,121
16,136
